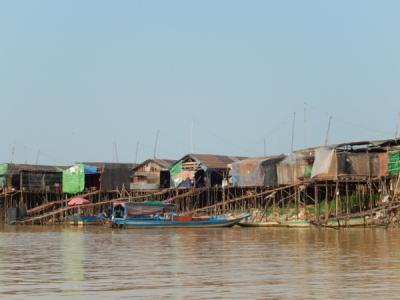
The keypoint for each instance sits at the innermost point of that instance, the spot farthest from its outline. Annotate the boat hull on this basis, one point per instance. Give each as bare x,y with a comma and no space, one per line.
261,224
161,223
299,224
84,220
352,222
292,224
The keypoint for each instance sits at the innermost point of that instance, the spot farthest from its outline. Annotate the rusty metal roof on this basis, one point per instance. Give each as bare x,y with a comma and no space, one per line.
163,163
358,145
110,165
213,161
17,168
262,159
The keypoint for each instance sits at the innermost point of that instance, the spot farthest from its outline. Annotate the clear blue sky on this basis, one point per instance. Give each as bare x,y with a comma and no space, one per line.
77,76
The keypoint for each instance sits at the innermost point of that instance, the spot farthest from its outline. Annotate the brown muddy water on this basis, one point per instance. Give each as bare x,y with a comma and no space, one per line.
231,263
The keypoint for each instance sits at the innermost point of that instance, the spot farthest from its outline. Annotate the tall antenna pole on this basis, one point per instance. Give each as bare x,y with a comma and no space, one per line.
156,144
12,153
25,159
396,135
293,125
137,152
191,138
327,130
37,157
116,151
305,125
265,147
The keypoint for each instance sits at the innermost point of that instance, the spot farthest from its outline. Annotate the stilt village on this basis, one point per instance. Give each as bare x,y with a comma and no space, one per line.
339,185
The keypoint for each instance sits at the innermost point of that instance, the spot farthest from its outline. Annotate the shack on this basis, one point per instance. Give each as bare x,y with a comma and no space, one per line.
79,178
356,160
295,167
255,172
113,176
152,174
201,170
30,178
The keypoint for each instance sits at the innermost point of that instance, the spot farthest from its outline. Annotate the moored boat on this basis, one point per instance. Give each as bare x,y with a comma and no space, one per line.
351,222
245,223
264,222
79,220
298,223
155,214
292,224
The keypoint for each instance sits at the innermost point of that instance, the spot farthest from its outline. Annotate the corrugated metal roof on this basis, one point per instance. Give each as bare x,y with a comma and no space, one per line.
213,161
262,159
163,163
110,165
16,168
372,144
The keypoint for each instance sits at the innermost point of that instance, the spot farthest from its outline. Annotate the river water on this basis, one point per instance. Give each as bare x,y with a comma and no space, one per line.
226,263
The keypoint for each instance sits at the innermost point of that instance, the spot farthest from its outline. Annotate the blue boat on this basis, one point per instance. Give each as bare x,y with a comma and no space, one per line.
156,214
86,220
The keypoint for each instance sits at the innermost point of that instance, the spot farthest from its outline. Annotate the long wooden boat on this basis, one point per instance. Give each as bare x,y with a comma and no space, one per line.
291,223
351,222
79,220
161,222
155,214
299,223
245,223
333,223
348,223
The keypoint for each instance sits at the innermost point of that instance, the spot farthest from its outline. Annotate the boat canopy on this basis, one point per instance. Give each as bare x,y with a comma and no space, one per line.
142,209
145,203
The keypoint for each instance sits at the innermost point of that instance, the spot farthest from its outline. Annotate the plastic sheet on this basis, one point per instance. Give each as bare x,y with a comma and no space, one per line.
255,172
394,163
324,163
73,179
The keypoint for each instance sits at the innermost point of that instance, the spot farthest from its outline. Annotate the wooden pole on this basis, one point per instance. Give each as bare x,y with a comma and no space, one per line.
316,201
326,202
21,197
297,196
337,199
293,127
347,198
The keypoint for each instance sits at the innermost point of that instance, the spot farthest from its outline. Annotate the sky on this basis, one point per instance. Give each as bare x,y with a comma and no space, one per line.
96,80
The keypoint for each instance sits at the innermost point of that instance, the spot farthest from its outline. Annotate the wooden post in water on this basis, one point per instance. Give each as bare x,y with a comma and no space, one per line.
21,196
370,184
347,198
316,204
296,202
337,199
326,202
223,200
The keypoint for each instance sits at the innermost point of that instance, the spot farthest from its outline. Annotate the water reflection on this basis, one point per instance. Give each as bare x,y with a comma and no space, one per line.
73,256
232,263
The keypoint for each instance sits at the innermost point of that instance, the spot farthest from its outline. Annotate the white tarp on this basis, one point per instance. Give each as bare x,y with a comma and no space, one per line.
322,161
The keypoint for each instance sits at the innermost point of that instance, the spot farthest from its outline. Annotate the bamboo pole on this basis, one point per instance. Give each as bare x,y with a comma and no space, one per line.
316,204
337,198
347,198
326,202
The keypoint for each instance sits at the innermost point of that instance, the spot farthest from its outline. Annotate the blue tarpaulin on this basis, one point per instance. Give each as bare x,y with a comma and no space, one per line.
90,169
